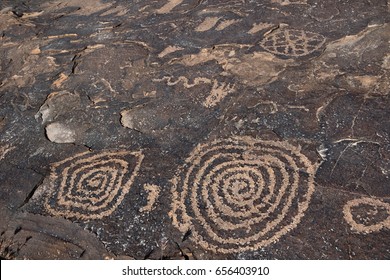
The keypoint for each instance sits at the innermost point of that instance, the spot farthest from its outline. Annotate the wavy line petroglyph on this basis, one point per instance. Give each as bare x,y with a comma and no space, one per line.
217,93
292,42
184,80
241,194
153,193
366,215
91,185
168,7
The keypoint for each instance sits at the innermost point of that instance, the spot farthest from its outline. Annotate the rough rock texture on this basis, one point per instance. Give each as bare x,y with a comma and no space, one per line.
186,129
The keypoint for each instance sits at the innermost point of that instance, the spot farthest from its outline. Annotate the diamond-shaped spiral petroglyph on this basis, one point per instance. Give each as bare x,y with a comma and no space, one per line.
241,194
91,185
367,214
292,42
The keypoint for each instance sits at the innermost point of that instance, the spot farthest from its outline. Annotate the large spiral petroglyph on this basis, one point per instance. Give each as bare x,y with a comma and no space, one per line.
241,194
91,185
366,215
292,42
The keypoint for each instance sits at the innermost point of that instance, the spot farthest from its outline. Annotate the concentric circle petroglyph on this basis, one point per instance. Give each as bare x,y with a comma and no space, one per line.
366,215
91,185
292,42
241,194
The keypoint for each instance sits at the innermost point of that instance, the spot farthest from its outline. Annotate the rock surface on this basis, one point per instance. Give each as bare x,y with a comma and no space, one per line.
186,129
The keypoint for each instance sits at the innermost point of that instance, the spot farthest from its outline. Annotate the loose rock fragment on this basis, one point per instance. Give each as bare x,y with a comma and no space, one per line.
60,133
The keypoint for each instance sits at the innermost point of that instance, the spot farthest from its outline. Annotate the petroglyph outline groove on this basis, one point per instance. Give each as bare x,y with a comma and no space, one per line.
360,227
91,185
292,42
217,94
153,193
241,194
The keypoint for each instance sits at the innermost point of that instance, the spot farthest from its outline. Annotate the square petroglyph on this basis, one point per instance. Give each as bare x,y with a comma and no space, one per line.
91,185
241,194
